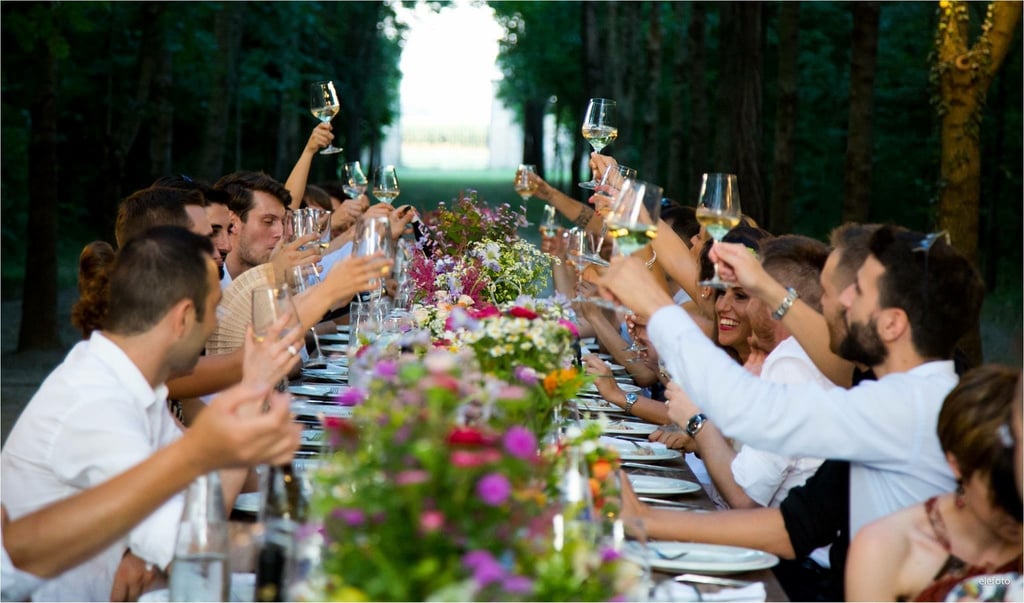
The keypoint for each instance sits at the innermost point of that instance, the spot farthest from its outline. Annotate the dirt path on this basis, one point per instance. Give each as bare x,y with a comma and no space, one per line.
21,374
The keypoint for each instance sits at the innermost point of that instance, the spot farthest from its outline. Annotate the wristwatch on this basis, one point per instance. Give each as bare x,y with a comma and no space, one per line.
695,424
631,399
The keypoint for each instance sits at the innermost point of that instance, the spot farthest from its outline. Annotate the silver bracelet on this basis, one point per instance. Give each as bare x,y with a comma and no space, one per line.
787,303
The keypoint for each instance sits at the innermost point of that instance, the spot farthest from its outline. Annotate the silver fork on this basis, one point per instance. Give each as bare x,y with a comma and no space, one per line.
663,555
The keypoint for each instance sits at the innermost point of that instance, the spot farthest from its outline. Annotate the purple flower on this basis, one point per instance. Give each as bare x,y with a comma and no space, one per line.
609,554
351,517
519,585
486,569
520,443
493,489
351,397
526,375
387,369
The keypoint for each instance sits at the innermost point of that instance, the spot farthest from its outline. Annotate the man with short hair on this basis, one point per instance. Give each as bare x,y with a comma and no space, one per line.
104,408
217,213
154,206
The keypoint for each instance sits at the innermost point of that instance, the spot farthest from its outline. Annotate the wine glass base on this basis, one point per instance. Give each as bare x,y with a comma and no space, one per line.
716,284
589,185
331,150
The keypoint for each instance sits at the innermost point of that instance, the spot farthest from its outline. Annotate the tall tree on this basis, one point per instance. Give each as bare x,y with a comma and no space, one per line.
963,73
228,26
746,116
863,56
698,156
780,214
676,182
652,70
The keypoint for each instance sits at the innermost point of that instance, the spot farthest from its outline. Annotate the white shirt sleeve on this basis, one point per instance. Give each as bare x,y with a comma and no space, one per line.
864,424
759,473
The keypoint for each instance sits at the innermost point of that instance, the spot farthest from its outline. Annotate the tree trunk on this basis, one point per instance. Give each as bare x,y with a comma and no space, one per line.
161,126
780,214
964,75
677,144
863,55
651,122
38,326
533,134
229,25
698,157
725,159
747,117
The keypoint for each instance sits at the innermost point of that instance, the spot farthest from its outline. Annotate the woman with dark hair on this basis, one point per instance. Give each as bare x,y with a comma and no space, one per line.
922,552
91,308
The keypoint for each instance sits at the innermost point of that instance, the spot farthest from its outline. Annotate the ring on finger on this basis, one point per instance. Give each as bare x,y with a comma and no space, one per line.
292,350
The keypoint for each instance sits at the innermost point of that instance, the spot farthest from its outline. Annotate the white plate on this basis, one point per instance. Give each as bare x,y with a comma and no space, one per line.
307,408
318,391
591,388
640,451
606,357
703,558
597,405
331,372
333,337
313,437
248,502
630,428
652,485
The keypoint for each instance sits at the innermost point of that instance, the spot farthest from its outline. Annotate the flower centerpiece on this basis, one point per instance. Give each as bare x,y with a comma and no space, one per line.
429,494
470,250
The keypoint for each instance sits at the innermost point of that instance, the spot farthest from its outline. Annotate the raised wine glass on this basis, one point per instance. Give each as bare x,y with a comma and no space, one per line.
269,304
373,236
353,179
599,128
633,220
324,104
719,212
525,187
549,227
385,184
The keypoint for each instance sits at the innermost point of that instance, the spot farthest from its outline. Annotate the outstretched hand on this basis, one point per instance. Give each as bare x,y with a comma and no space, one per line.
320,137
630,283
355,274
267,362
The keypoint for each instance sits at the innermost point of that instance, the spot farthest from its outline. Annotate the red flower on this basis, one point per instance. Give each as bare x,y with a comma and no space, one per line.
520,312
465,436
484,312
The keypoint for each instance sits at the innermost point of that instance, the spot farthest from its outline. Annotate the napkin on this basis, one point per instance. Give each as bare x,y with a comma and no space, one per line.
623,445
675,591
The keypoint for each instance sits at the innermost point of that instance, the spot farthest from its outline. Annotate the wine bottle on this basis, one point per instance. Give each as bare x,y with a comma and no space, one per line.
283,510
200,569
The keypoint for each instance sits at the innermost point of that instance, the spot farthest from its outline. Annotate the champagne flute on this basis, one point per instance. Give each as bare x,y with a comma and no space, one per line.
324,104
353,179
719,212
599,128
385,184
525,187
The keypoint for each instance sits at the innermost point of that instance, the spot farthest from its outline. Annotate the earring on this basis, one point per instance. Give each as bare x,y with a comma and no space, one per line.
705,293
959,499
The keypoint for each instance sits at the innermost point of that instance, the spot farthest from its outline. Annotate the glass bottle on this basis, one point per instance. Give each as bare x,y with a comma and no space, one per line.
200,570
284,508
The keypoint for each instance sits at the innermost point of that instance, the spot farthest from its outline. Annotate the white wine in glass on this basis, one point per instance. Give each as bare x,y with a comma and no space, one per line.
324,105
524,185
719,212
385,184
599,129
549,227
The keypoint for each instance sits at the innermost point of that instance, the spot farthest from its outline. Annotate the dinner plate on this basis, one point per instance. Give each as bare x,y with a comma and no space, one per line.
248,502
597,405
317,391
702,558
313,437
331,372
308,408
334,348
653,485
629,428
333,338
640,451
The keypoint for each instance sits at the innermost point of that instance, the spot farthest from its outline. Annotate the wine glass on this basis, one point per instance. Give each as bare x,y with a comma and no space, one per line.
599,128
373,236
633,220
549,227
385,184
324,104
580,247
269,304
353,179
612,179
525,187
719,212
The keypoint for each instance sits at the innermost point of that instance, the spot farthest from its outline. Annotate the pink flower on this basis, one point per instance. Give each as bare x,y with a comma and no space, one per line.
351,517
493,489
520,443
410,477
485,312
520,312
351,397
431,521
464,458
526,375
466,436
571,327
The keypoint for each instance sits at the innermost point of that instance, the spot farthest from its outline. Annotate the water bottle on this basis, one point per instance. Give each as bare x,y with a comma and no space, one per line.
283,510
200,570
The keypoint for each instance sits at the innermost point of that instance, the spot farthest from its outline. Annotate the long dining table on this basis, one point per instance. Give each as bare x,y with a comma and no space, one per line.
317,385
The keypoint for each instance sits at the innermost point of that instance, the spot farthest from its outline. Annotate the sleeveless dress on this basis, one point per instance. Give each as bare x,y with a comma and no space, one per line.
954,570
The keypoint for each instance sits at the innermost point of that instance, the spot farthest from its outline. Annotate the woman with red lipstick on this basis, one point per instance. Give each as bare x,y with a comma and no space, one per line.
731,324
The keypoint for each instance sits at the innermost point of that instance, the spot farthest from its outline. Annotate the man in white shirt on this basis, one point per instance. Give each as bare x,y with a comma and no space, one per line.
913,298
104,409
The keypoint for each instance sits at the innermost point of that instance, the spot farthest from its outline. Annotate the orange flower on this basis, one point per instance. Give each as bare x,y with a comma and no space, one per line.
600,469
556,378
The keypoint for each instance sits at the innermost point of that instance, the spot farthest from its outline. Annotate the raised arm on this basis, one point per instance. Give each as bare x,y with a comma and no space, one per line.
320,137
580,214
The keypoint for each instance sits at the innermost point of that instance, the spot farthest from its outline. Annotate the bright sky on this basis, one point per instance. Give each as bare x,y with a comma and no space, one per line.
448,64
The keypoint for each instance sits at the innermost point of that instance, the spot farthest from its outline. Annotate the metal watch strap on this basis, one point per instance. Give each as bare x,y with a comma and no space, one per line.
631,399
787,303
695,424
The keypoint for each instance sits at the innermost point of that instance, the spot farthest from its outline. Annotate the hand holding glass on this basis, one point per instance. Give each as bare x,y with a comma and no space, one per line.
324,104
385,184
599,128
524,185
719,212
